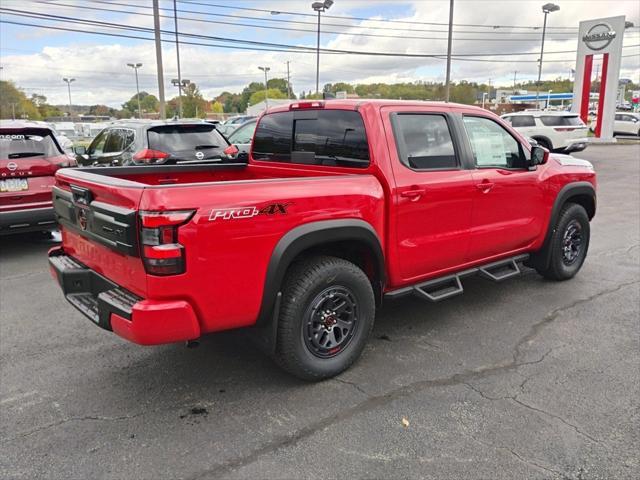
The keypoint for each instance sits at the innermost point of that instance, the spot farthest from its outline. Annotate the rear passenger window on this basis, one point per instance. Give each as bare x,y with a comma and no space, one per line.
313,137
424,141
561,120
523,121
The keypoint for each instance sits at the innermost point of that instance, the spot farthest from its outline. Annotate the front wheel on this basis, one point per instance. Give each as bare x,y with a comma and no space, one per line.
569,243
326,316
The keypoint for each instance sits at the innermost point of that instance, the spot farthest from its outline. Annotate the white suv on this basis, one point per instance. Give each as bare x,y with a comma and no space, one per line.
556,131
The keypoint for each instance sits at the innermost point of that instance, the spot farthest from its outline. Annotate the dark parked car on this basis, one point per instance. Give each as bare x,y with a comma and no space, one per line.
157,142
30,154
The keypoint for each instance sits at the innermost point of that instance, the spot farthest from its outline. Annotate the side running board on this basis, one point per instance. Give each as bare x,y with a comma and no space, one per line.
451,285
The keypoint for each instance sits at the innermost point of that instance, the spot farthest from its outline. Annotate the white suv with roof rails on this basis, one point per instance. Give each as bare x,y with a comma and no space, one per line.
557,131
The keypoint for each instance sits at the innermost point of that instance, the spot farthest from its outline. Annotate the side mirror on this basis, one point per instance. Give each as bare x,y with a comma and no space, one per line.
539,155
80,150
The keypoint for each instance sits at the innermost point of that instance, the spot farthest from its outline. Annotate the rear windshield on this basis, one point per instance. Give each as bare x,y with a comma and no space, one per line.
561,120
522,121
27,143
186,138
313,137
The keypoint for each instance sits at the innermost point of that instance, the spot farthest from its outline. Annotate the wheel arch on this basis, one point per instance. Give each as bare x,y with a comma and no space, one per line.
581,193
352,239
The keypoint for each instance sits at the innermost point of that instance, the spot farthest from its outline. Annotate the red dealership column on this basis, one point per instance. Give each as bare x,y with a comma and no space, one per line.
586,88
601,95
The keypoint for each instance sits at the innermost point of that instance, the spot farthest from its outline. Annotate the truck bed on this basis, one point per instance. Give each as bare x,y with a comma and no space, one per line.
98,209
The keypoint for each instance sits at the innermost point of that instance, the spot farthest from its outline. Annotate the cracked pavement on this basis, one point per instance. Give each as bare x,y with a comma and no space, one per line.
525,379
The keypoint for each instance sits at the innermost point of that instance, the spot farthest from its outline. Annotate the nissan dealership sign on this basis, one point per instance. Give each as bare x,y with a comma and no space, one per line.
599,43
599,36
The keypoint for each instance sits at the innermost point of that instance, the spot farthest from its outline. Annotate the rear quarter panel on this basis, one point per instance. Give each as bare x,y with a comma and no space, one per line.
227,258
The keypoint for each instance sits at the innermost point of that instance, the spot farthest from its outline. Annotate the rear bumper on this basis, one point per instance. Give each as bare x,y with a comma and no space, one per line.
575,145
27,220
111,307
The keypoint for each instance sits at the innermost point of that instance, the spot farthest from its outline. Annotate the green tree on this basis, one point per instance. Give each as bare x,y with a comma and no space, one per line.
193,103
258,96
278,83
217,107
14,101
148,103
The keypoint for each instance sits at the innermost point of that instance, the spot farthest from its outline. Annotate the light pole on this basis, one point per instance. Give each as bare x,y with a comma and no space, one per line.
484,95
319,7
547,8
548,98
68,82
181,84
265,70
136,66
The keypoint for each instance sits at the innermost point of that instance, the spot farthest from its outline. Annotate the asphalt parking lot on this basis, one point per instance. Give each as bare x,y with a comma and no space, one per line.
526,379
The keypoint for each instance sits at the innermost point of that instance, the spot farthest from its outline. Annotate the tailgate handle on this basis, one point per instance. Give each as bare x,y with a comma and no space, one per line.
81,195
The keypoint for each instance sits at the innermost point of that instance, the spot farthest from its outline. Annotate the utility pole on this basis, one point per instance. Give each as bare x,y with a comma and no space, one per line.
136,66
288,81
449,41
514,80
156,27
68,81
266,99
175,20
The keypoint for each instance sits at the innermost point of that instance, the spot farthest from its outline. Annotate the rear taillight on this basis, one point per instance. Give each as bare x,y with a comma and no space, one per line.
150,156
161,252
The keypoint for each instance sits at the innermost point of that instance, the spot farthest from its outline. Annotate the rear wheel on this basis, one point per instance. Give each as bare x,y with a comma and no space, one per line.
569,243
326,315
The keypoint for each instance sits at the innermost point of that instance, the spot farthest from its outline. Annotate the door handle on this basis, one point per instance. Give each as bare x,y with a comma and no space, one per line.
484,187
413,194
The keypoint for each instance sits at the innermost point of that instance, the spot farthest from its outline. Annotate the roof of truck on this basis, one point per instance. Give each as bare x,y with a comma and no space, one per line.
354,104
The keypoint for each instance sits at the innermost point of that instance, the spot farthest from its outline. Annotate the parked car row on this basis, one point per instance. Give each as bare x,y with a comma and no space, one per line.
31,152
624,123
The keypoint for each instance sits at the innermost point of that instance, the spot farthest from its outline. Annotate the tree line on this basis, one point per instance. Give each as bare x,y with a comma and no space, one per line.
15,103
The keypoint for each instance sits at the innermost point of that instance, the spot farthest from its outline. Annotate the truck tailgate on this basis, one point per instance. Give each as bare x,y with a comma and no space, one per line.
100,227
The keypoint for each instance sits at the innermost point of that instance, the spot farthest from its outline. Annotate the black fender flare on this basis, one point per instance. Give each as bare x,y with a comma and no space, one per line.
542,257
307,236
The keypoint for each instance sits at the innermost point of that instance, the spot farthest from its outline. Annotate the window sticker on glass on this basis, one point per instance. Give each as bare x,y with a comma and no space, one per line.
488,148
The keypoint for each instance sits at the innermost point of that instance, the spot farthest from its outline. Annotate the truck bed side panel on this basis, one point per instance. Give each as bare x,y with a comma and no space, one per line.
237,225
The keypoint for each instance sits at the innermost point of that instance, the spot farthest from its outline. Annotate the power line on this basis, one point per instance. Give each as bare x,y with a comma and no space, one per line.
244,17
270,27
345,17
257,46
280,47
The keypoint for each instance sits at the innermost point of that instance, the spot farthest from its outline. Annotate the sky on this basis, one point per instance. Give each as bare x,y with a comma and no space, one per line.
37,59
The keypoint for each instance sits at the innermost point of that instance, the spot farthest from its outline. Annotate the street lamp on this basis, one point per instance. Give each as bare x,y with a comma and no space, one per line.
265,70
181,84
68,82
547,8
319,7
484,95
549,98
136,66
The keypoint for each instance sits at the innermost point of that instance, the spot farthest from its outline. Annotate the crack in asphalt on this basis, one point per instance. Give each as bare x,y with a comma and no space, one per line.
373,402
353,384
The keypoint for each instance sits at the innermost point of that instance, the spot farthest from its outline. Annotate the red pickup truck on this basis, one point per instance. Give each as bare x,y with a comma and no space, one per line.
342,204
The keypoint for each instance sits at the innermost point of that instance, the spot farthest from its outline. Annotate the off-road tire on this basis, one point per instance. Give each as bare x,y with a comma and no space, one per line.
565,261
311,281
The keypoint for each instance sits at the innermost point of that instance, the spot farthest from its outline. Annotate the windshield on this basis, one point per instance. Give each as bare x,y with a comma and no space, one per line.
561,120
27,143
